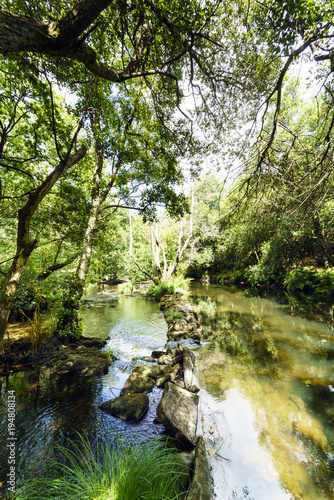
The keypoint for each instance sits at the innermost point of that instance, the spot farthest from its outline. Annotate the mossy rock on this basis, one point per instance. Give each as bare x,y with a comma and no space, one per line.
131,407
137,383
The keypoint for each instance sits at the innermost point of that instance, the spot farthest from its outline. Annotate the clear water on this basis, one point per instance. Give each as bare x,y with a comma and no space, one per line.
267,407
50,409
267,398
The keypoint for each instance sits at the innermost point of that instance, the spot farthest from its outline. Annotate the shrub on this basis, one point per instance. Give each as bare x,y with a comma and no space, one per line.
125,471
310,282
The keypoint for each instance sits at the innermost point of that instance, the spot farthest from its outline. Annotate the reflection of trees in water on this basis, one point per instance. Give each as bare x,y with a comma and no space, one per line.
49,409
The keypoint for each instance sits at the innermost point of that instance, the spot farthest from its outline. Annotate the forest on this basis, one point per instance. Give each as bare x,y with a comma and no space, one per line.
110,107
164,141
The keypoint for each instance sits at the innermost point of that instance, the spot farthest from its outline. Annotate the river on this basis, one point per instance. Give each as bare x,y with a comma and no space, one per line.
266,407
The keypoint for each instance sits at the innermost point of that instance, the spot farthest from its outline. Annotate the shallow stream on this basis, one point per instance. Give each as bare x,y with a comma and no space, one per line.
267,398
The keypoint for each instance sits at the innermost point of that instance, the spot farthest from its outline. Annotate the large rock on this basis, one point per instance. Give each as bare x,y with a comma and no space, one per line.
137,383
152,371
129,407
178,412
200,488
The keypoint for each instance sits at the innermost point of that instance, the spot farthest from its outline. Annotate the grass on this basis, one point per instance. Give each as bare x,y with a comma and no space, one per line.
176,284
150,471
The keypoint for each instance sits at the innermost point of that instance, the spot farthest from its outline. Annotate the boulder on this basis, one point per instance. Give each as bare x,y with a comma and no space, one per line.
129,407
161,380
137,383
174,352
165,359
157,354
200,488
157,370
178,412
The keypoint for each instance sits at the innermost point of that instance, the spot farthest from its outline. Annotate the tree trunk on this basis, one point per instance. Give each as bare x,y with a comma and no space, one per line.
25,244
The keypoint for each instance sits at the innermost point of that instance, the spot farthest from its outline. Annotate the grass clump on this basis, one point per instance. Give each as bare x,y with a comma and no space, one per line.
123,471
177,284
173,315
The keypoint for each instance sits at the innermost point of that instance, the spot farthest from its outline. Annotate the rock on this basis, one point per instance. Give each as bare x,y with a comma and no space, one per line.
189,361
140,369
178,412
179,383
148,359
165,359
178,335
175,371
177,359
129,407
161,380
200,488
190,318
197,336
173,352
193,388
137,383
157,354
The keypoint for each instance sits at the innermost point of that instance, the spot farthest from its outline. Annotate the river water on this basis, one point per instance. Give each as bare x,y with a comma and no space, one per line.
266,407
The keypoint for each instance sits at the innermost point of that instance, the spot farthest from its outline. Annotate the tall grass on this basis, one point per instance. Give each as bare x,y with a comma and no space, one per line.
150,471
176,284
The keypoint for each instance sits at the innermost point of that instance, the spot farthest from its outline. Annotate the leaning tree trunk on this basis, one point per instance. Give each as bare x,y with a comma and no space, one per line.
25,242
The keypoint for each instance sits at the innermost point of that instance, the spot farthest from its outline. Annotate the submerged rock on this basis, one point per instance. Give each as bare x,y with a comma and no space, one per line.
82,364
178,412
129,407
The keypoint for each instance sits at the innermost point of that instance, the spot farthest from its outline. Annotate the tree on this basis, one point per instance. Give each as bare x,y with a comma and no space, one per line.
21,115
171,257
134,156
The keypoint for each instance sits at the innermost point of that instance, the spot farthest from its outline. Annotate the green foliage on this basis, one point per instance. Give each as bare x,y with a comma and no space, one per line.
317,284
177,284
149,471
70,324
173,315
28,300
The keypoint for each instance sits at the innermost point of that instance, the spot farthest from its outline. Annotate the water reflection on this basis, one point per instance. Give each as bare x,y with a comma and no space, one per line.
268,401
